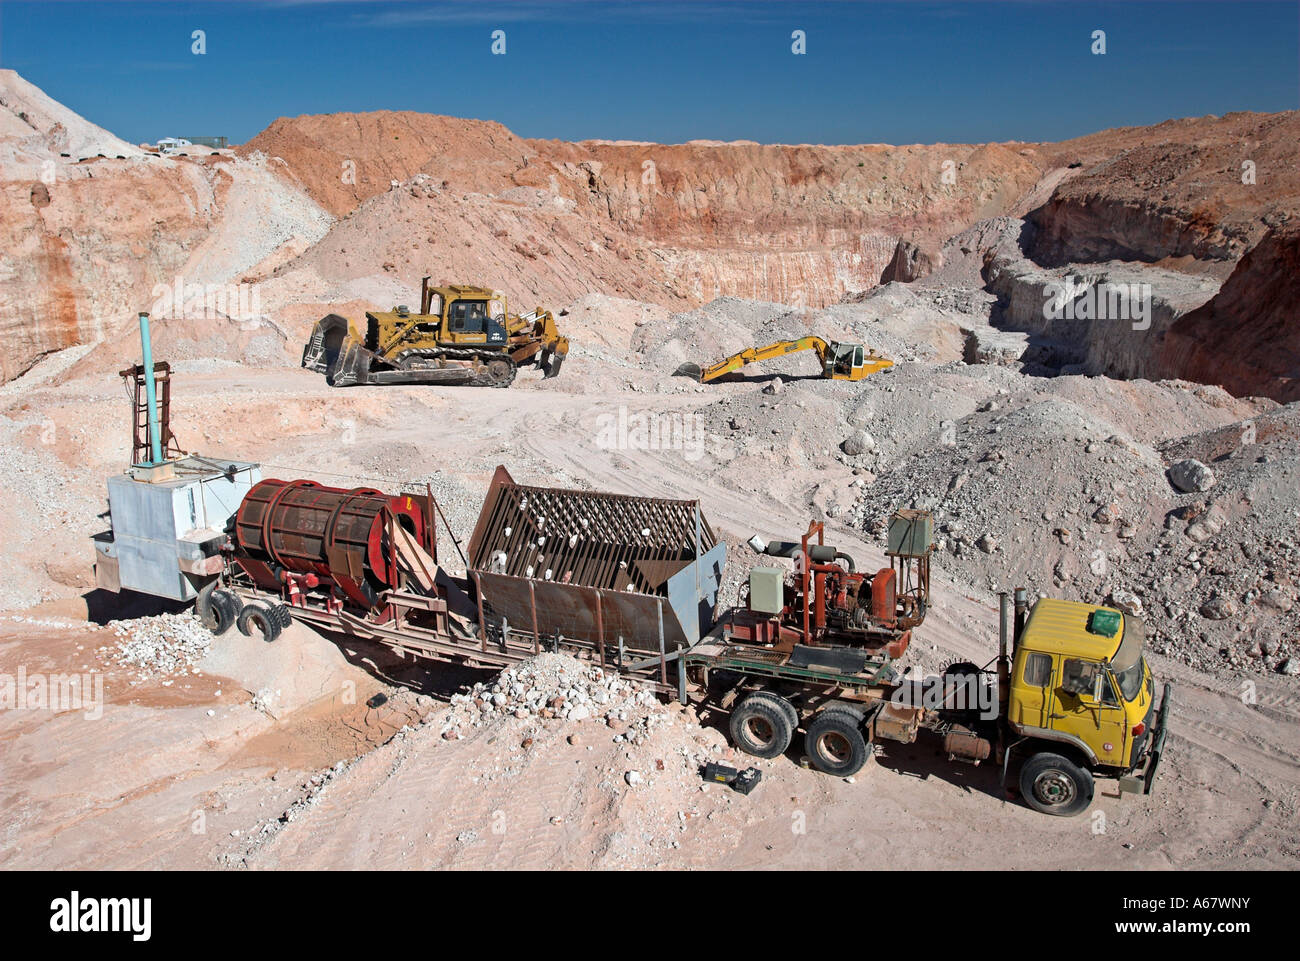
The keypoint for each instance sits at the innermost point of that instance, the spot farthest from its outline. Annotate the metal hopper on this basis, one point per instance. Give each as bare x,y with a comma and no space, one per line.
628,574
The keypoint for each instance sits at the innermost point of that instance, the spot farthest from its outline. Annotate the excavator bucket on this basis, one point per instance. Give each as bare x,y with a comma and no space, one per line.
694,371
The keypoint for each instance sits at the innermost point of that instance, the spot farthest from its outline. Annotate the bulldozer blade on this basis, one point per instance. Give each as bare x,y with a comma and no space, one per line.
326,341
351,366
693,371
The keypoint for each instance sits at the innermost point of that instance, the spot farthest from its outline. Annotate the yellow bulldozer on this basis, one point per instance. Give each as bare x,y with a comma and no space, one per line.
838,361
460,335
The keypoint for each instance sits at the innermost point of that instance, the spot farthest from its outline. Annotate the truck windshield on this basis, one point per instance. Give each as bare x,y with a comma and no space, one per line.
1130,681
1127,662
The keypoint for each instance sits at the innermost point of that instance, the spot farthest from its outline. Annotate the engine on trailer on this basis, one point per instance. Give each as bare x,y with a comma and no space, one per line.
826,601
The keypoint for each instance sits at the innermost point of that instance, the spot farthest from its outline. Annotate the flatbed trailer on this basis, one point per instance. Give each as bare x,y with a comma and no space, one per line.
418,626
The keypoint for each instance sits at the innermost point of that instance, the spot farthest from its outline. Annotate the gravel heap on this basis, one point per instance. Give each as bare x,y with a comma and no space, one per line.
1046,495
162,645
558,687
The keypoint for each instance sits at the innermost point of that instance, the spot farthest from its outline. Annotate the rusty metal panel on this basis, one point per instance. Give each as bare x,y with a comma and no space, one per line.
596,566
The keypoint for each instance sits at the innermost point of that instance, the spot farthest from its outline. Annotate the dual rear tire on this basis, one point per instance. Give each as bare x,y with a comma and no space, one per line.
835,743
267,621
764,723
219,610
761,726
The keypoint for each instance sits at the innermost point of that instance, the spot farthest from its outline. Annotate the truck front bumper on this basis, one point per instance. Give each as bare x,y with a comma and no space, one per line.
1142,778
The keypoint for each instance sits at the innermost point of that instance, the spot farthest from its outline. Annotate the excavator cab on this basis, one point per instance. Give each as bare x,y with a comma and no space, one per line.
842,360
852,362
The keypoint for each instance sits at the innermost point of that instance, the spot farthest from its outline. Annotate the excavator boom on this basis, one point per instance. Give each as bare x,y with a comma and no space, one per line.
837,361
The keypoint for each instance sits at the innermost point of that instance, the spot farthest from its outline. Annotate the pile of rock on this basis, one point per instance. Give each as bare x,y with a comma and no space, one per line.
557,687
160,646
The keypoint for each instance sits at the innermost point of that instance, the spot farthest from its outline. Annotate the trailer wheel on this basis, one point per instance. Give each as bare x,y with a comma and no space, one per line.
760,727
1053,784
224,609
834,742
786,707
203,604
283,615
260,619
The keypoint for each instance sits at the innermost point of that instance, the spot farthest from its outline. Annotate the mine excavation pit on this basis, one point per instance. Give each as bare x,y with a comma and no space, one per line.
771,508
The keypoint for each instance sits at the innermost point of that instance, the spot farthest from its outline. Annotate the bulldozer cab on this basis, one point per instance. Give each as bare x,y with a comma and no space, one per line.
465,315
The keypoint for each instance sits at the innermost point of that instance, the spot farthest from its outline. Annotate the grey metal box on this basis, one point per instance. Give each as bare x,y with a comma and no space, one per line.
766,590
911,533
159,527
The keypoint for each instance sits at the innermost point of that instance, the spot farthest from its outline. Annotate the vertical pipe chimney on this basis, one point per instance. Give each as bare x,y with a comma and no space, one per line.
151,394
1022,609
1004,621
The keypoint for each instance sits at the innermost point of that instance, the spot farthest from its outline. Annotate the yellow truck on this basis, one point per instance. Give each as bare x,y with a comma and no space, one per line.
1068,699
1080,703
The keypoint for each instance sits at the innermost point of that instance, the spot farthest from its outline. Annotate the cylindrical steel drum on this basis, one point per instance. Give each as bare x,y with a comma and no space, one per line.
306,528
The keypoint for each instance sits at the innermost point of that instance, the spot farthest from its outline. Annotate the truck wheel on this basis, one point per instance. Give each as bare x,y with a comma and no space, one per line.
834,742
1053,784
259,619
225,608
760,727
282,614
786,707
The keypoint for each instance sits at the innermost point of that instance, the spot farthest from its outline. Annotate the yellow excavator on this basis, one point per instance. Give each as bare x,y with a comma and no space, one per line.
838,361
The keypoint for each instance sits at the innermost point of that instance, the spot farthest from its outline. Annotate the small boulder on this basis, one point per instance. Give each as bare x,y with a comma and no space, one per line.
859,443
1126,601
1218,608
1191,476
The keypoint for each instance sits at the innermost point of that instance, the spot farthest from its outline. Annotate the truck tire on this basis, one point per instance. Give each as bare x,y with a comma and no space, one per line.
786,707
283,615
217,608
760,727
834,742
1052,784
225,608
259,619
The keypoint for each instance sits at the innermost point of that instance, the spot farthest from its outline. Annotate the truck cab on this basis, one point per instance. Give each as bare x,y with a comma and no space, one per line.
1082,703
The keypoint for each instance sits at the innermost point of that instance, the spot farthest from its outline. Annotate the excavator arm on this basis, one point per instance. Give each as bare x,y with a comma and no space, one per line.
753,355
837,361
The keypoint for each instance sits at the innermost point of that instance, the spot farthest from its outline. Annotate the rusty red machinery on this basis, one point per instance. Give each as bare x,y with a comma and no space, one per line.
827,602
300,536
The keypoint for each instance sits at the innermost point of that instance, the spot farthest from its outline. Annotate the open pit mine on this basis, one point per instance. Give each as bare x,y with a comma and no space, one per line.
978,505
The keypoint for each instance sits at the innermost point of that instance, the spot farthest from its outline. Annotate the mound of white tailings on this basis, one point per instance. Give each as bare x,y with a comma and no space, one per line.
35,127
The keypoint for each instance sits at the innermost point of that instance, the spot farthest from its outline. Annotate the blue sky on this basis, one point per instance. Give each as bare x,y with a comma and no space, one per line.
669,71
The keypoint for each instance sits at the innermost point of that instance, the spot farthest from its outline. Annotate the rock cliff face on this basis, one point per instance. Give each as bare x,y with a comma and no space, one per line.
342,207
800,224
1247,338
1205,189
89,225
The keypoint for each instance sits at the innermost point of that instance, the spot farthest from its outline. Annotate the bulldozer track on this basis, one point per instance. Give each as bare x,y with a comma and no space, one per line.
488,376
